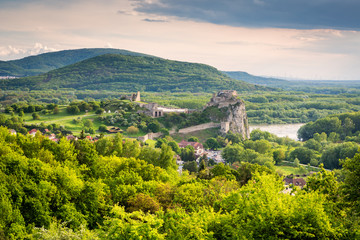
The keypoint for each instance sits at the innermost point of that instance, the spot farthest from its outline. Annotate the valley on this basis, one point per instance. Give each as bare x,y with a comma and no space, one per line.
83,154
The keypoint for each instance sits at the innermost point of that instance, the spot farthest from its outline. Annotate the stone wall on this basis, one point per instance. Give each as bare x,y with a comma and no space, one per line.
197,128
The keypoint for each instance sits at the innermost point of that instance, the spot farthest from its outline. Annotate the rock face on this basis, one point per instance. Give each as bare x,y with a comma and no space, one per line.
234,118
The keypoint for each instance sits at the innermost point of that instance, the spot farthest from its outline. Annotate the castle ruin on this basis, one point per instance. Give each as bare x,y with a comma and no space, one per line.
235,118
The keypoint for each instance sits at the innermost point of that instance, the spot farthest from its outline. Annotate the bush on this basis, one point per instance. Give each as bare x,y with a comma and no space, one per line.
102,128
132,130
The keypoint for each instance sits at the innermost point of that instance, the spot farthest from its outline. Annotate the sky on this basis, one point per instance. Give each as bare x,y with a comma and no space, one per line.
301,39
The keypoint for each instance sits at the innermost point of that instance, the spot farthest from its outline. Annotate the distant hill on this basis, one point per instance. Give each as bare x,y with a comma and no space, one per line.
244,76
43,63
314,86
131,73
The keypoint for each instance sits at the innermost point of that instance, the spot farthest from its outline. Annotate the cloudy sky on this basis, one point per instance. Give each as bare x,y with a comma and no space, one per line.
309,39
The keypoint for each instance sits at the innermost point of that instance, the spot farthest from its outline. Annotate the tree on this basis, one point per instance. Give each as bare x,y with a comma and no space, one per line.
232,153
234,138
187,154
333,153
73,109
193,139
313,144
279,155
351,186
88,123
154,126
191,166
35,116
303,154
174,146
166,159
99,111
164,131
296,163
324,181
132,130
144,203
102,128
212,143
202,165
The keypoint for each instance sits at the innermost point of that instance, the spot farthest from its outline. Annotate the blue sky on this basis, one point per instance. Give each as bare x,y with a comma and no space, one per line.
310,39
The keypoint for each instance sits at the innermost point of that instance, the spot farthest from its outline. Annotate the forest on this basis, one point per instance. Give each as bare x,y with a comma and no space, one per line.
117,188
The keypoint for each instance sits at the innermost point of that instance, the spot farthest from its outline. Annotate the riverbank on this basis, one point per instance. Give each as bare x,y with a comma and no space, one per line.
280,130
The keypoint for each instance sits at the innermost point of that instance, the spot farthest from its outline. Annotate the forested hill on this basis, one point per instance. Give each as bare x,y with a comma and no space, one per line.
130,73
34,65
271,82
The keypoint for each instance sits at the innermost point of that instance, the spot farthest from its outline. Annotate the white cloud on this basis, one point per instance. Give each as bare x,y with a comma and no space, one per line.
10,52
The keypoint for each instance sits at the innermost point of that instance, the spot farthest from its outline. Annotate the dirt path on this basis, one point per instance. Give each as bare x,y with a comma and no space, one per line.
196,128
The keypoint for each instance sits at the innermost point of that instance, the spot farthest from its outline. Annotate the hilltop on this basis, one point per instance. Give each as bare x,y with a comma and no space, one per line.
42,63
130,73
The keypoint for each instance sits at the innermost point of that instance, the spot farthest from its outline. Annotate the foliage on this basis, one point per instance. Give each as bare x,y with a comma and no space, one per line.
132,73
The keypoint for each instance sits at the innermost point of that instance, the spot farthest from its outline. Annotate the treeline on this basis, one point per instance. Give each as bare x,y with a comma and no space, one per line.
267,149
342,127
117,189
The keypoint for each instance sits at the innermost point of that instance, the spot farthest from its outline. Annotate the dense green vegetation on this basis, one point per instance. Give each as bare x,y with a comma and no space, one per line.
344,126
91,117
131,73
34,65
116,189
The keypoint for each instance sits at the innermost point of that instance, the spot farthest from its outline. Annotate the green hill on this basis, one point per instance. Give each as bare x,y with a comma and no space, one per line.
34,65
314,86
270,82
129,73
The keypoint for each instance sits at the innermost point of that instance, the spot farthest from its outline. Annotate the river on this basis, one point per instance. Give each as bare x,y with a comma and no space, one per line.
280,130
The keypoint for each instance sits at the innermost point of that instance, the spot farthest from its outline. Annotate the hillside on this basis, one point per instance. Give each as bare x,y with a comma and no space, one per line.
34,65
315,86
131,73
271,82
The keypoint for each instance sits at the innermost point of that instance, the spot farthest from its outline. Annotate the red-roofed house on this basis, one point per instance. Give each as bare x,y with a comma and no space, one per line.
300,182
199,148
51,136
71,137
33,132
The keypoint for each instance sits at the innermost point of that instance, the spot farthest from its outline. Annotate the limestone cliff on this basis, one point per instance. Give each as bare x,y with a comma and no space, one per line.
234,116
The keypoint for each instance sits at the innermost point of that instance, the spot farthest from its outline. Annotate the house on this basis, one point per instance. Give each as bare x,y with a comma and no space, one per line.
12,131
300,182
71,137
51,136
33,132
199,148
112,129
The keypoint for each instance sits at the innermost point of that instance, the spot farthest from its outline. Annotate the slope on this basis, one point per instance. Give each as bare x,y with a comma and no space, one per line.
130,73
42,63
271,82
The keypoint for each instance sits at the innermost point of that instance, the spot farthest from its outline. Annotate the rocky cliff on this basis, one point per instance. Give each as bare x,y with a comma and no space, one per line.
234,116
